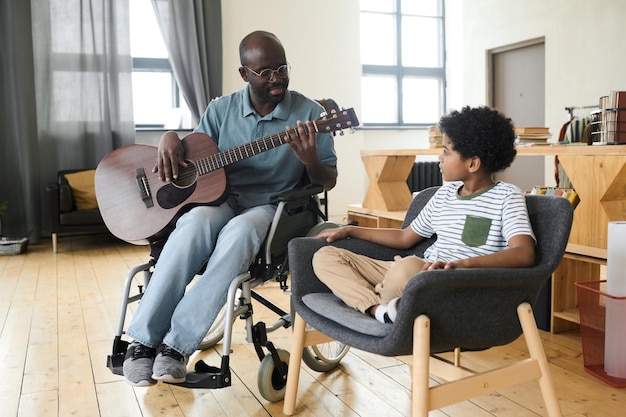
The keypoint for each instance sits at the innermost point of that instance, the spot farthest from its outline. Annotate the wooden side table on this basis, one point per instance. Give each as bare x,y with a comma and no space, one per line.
387,172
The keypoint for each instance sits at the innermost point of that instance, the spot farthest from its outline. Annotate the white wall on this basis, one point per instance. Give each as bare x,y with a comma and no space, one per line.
585,43
584,50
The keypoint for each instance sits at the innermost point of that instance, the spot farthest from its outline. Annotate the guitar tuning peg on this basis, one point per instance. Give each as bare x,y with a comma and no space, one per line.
341,133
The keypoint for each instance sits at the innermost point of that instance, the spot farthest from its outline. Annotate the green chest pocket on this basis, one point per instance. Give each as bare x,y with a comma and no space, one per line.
476,230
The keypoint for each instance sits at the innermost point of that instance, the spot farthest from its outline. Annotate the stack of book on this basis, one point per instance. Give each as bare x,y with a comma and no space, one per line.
435,138
529,136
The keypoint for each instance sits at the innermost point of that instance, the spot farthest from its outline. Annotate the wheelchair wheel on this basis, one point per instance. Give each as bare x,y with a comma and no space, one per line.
216,332
321,227
324,357
271,384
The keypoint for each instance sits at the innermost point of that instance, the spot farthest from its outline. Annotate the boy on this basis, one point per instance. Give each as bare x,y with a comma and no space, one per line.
479,222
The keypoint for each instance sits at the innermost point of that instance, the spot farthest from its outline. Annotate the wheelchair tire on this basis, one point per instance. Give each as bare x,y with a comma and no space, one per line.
270,383
324,357
321,227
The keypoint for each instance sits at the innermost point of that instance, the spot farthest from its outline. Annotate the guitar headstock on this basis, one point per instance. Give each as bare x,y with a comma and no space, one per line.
337,121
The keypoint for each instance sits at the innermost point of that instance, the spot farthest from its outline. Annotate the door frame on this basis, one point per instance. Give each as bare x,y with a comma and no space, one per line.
491,52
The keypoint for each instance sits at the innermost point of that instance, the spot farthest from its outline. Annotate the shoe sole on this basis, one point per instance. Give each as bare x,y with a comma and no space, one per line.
169,379
142,383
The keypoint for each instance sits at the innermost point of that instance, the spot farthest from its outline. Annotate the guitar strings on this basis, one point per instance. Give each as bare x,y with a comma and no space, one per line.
221,159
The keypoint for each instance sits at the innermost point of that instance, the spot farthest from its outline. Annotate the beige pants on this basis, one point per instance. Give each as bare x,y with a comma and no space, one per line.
360,281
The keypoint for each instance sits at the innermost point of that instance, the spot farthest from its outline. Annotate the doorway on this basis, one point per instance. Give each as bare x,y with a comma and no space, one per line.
516,87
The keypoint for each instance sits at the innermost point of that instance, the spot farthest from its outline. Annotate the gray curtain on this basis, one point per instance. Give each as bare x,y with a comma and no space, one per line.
66,91
192,30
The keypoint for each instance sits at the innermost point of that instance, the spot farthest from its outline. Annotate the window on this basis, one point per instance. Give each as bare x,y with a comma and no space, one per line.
403,62
157,100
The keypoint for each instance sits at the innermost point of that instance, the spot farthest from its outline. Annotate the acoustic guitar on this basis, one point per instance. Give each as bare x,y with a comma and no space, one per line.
140,208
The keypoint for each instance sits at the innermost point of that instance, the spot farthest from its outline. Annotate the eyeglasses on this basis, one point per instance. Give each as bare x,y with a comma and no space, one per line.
267,74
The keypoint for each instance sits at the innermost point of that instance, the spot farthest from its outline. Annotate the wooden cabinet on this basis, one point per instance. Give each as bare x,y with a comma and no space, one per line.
375,218
598,174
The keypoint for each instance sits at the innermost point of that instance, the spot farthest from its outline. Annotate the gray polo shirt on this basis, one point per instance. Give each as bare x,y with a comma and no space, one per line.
232,121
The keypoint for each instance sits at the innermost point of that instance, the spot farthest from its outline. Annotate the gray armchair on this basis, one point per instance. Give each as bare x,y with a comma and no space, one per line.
441,310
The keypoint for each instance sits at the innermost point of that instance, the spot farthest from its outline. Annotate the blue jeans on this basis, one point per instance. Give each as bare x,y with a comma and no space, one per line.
178,316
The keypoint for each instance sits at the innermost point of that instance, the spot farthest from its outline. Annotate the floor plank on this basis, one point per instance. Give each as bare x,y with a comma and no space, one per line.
59,312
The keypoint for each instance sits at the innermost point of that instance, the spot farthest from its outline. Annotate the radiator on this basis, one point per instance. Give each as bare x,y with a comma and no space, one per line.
424,175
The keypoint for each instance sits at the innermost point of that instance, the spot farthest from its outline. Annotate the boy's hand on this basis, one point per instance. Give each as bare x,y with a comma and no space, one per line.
440,265
334,234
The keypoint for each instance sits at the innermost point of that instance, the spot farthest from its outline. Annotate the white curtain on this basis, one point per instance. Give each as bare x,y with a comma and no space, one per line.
192,30
66,79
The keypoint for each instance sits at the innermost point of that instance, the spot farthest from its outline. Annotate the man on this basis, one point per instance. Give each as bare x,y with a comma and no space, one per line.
170,322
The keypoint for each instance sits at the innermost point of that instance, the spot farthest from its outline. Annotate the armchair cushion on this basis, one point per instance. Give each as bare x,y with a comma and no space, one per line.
331,307
82,184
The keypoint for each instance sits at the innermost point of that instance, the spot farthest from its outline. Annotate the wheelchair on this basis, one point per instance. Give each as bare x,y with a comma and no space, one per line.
298,214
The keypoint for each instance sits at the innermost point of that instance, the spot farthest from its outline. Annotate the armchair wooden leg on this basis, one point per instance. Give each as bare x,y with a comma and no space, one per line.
535,348
420,398
54,243
295,360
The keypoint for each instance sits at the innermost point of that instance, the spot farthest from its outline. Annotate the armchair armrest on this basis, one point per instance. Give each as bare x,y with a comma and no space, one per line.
52,191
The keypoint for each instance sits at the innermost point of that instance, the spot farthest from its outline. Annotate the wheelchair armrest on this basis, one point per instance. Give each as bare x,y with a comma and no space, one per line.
308,191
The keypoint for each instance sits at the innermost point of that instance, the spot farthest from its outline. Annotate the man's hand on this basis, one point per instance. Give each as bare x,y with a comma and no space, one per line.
169,157
302,142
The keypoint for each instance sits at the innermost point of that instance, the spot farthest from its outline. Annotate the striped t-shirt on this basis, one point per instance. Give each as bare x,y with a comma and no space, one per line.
475,225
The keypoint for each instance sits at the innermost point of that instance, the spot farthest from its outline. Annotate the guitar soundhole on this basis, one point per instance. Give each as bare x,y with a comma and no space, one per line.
186,175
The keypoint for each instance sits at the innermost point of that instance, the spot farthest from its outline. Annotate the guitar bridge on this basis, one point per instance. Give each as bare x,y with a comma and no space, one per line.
144,188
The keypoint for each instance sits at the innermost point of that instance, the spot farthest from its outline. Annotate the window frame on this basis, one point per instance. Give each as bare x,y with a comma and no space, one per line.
142,64
400,72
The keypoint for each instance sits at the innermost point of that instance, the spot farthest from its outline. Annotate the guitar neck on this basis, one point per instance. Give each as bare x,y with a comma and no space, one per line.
238,153
328,124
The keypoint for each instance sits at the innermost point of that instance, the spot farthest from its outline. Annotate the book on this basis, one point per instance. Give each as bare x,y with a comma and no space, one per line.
532,130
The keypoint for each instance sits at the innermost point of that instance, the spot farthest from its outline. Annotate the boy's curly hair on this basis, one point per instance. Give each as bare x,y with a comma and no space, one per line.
483,132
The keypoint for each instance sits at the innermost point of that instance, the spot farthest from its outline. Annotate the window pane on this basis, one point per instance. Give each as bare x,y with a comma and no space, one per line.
378,46
146,40
152,97
421,7
420,42
379,99
386,6
421,100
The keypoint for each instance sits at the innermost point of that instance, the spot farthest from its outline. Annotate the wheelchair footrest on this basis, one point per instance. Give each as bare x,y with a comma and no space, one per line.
208,377
115,360
115,363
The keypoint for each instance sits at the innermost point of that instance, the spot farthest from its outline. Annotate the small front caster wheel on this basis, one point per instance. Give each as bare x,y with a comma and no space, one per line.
271,383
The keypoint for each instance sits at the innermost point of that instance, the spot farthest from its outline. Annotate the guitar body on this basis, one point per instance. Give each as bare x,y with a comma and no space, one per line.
140,208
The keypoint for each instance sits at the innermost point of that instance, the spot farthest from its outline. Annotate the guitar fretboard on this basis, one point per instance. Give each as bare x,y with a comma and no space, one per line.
238,153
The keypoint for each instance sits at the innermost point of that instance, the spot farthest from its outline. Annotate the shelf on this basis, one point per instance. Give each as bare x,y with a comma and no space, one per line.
570,315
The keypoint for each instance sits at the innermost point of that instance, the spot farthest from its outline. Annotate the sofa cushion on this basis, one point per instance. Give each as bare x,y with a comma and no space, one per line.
323,303
82,184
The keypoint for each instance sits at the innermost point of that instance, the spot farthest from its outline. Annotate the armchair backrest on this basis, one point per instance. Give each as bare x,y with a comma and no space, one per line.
551,219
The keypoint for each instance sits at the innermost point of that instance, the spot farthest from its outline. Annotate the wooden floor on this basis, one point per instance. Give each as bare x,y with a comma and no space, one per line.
57,319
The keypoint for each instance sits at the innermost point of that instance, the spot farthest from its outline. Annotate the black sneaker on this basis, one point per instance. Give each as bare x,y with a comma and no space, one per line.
169,366
138,364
